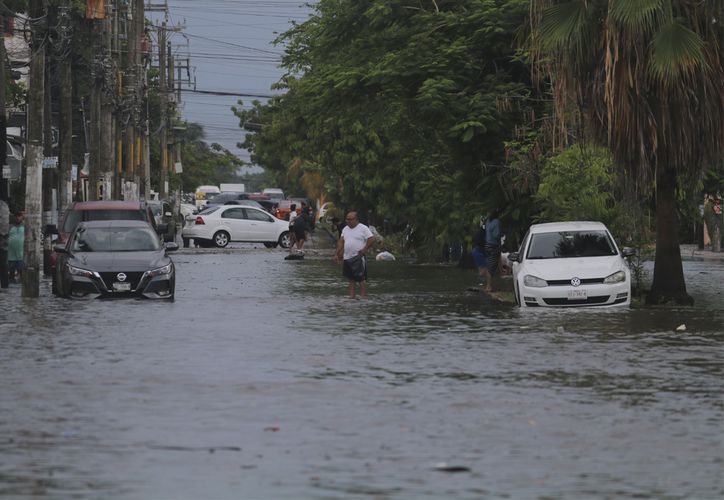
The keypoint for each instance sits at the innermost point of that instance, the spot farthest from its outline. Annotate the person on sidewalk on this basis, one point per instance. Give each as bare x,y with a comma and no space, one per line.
292,215
301,228
16,246
479,254
352,248
493,240
4,229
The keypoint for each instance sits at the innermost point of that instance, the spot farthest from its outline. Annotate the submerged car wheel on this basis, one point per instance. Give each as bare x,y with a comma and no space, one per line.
221,239
285,239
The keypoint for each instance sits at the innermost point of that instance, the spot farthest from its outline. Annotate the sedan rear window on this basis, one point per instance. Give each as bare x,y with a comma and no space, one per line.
570,244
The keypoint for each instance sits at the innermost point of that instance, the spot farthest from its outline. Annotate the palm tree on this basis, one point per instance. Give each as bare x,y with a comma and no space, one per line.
644,77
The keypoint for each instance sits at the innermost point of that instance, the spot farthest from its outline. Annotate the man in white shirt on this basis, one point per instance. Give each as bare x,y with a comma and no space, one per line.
352,248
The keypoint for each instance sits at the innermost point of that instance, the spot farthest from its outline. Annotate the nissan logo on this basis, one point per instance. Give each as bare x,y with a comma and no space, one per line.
122,277
574,281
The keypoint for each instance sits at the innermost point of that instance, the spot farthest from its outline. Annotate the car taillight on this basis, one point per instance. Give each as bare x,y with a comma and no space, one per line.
199,221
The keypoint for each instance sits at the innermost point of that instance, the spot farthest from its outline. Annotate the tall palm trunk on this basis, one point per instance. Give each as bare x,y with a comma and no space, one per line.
669,284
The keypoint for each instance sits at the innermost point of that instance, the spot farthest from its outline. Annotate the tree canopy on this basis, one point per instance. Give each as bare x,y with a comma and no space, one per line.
645,78
402,107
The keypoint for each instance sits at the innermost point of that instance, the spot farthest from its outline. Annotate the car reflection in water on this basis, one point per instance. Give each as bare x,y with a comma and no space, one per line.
115,259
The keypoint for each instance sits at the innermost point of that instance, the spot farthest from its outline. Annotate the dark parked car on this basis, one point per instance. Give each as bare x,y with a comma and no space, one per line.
114,259
82,211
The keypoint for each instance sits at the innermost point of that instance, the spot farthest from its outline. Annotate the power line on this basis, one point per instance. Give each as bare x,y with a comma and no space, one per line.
232,94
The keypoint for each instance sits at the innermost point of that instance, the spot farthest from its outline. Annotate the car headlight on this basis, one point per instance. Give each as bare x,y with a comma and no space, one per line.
617,277
161,270
77,271
534,281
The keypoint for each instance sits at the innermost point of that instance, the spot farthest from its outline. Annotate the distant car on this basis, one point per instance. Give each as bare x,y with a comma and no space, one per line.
222,224
324,209
186,210
163,214
204,193
114,259
275,194
284,208
223,198
568,264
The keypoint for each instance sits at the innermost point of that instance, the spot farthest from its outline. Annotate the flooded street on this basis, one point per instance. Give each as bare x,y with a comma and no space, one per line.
262,380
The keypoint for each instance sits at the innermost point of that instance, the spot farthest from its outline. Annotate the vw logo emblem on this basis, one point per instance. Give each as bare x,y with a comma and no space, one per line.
121,277
574,281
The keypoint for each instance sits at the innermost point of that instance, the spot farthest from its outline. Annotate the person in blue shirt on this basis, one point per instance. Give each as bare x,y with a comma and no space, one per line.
16,245
493,237
479,253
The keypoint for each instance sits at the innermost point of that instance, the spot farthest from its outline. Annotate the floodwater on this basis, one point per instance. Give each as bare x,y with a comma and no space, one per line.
263,381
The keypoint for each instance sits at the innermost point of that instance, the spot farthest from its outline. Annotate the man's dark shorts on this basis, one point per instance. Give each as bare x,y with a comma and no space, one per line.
492,255
300,234
355,269
15,266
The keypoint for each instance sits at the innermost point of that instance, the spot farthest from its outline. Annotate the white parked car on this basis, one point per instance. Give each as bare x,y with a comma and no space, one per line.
568,264
218,225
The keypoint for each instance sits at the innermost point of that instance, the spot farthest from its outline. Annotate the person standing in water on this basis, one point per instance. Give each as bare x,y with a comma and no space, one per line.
352,249
493,239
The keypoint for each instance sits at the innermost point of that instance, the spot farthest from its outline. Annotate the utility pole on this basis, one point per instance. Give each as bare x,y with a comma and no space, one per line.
163,95
4,279
108,146
34,153
49,178
171,92
102,143
65,155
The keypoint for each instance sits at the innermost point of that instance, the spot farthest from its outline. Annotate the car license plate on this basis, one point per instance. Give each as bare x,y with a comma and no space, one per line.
122,287
577,295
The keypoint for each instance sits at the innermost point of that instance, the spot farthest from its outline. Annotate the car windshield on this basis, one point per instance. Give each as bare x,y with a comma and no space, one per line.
567,244
76,216
115,239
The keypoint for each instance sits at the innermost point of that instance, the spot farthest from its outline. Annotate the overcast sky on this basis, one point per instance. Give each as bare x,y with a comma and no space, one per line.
229,47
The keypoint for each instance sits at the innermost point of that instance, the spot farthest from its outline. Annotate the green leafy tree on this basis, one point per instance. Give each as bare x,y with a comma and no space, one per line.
577,184
403,107
644,77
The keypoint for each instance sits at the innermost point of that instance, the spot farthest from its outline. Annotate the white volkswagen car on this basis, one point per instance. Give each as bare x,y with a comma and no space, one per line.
564,264
221,224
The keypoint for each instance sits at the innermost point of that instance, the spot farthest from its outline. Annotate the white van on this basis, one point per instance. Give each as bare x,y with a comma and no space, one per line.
204,193
274,193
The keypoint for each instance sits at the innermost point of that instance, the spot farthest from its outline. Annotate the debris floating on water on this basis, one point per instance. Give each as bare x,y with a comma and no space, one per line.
681,328
445,467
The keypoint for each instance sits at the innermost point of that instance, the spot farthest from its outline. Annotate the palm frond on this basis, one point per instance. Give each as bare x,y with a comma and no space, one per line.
640,15
675,51
562,22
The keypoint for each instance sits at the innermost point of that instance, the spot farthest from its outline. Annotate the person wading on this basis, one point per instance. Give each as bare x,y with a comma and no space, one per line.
352,247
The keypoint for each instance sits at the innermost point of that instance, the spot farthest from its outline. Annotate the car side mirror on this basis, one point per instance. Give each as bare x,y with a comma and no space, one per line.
171,246
514,257
628,252
60,249
51,229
